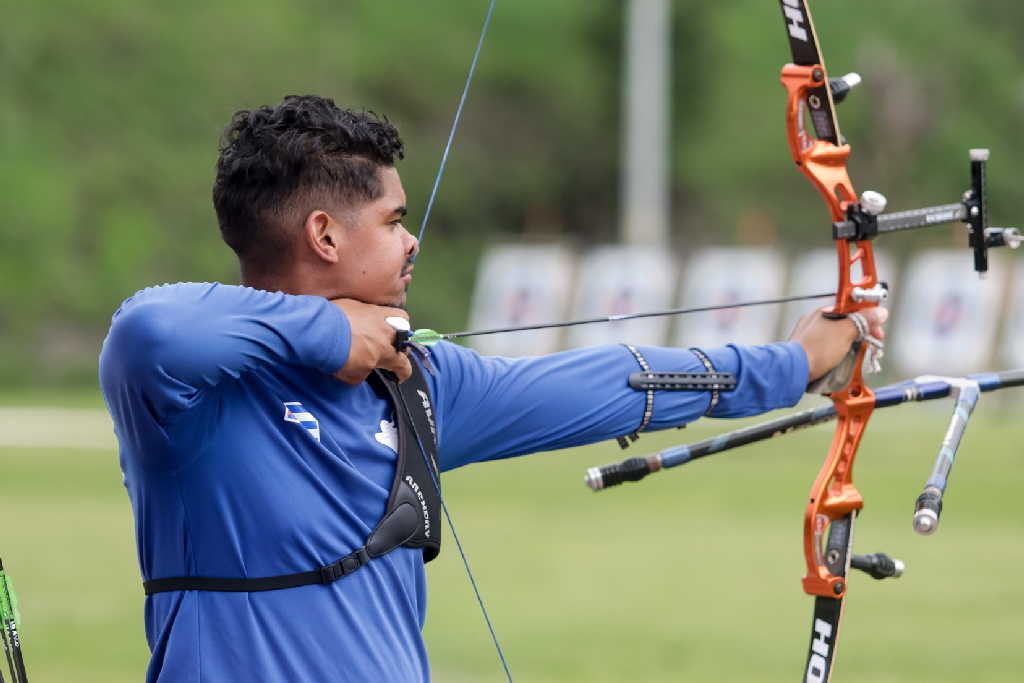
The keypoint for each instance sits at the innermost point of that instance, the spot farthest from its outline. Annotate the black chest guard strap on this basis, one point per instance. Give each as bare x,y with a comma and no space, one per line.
413,515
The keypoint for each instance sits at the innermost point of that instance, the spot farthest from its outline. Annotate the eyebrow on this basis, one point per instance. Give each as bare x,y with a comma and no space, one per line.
401,211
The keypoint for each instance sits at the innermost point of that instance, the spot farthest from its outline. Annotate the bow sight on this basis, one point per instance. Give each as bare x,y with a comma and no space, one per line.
866,220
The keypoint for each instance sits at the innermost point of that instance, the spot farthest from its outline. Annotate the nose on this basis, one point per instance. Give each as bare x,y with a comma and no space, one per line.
414,247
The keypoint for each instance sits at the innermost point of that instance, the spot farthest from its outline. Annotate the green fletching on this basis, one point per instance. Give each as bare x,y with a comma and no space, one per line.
8,600
426,337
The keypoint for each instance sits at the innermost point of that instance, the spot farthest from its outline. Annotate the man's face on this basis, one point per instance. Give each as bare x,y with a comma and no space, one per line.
376,250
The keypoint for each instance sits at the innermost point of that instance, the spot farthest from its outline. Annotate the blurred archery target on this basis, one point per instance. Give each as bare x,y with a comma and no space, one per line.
719,276
948,318
521,285
1013,334
616,280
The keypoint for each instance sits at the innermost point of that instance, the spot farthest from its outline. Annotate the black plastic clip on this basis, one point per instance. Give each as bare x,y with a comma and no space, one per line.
625,441
335,570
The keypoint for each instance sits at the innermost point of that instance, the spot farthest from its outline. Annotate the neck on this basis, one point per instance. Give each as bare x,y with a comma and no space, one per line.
287,282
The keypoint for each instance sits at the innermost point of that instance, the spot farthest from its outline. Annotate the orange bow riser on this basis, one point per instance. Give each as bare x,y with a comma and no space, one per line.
823,161
833,495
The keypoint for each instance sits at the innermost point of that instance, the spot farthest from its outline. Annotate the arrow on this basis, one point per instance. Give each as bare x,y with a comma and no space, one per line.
428,337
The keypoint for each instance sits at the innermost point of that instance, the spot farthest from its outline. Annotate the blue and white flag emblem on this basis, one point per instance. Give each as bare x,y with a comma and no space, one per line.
294,412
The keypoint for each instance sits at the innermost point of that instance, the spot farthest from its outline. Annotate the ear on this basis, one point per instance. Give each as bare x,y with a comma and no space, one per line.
323,235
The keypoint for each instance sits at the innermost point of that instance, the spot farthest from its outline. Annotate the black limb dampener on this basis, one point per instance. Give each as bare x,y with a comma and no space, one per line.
878,566
842,86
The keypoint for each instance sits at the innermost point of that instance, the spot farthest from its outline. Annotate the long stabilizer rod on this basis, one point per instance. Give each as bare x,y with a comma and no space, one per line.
923,389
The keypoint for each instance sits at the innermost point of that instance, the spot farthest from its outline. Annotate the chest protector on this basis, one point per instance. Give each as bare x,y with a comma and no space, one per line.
412,518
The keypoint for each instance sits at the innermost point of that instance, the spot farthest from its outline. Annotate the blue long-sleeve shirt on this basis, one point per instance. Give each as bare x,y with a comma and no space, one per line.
225,480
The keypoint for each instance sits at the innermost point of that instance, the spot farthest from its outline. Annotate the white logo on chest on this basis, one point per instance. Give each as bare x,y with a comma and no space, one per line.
388,435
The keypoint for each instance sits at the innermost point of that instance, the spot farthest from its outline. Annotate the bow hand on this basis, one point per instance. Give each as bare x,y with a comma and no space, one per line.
832,344
373,341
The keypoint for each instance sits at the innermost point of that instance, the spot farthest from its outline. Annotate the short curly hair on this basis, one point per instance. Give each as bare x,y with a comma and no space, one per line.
279,163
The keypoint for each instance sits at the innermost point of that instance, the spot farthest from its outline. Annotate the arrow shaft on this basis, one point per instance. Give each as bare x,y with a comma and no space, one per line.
635,316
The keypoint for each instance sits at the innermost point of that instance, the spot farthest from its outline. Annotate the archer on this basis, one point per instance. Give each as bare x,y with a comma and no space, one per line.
282,453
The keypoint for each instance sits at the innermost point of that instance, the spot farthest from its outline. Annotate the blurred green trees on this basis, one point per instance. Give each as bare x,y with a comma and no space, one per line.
112,111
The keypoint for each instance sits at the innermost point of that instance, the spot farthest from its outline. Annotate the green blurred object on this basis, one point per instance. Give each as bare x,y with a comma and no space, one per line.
11,627
8,599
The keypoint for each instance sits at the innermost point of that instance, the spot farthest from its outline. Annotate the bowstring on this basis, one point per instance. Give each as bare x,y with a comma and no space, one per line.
434,478
455,125
419,238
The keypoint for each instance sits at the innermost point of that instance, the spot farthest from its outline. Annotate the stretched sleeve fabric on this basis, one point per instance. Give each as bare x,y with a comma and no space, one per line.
493,407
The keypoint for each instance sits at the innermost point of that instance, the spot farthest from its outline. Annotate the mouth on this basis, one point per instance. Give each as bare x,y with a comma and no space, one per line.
407,275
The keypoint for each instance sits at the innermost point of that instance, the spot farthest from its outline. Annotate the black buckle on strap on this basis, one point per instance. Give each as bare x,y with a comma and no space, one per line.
345,566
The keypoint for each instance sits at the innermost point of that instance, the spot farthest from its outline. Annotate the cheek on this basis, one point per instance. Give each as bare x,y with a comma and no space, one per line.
384,258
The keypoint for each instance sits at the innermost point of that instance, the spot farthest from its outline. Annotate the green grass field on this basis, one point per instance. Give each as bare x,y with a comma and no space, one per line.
693,575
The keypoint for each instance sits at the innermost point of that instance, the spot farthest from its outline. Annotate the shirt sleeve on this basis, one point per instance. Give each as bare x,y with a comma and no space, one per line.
167,344
490,407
